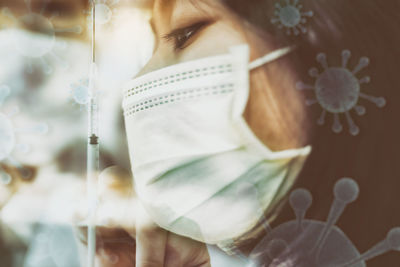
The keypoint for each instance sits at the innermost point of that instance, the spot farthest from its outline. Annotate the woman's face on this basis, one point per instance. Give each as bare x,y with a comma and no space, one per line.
186,30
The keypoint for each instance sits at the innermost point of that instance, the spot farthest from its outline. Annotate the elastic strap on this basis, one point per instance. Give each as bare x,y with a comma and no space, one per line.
270,57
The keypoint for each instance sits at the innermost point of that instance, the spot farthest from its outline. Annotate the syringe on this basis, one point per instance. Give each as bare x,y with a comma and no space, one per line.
92,148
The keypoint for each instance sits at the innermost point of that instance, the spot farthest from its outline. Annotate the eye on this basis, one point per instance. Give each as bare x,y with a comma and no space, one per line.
181,36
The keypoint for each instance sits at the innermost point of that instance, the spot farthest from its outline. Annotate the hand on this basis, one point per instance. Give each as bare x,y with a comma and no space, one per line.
128,236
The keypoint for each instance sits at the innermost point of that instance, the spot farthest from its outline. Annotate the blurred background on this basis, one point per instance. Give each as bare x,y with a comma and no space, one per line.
44,63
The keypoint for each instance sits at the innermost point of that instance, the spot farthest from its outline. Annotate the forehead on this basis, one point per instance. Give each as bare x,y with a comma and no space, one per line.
166,13
162,6
162,11
170,12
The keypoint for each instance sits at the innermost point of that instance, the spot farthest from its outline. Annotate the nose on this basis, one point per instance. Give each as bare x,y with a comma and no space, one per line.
159,60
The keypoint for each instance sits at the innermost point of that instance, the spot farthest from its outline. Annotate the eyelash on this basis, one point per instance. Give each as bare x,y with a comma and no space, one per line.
182,35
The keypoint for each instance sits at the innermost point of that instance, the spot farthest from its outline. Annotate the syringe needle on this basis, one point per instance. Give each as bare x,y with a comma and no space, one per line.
92,148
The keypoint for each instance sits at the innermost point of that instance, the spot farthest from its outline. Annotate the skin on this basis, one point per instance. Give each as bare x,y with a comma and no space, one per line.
128,239
151,245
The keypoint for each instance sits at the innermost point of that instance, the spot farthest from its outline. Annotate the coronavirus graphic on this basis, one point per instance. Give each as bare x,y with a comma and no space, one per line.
80,93
291,17
54,245
5,178
310,243
9,137
4,92
105,11
35,46
338,90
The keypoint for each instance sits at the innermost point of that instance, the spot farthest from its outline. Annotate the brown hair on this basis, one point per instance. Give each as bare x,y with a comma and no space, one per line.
366,28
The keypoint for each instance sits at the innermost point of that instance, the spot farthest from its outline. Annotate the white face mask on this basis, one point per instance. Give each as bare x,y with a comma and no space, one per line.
193,155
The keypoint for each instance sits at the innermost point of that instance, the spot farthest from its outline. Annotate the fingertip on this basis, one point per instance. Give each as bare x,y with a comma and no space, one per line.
172,258
117,180
151,241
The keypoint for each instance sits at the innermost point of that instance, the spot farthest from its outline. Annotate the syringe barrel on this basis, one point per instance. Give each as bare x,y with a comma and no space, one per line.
93,102
92,173
92,163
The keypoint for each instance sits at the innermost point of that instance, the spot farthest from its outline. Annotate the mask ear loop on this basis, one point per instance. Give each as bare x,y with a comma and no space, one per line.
264,150
270,57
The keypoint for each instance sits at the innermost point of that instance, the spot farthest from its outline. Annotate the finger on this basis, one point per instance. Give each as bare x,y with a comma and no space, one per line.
204,264
116,255
191,253
116,196
107,258
115,248
117,199
203,259
115,182
115,208
173,258
151,241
